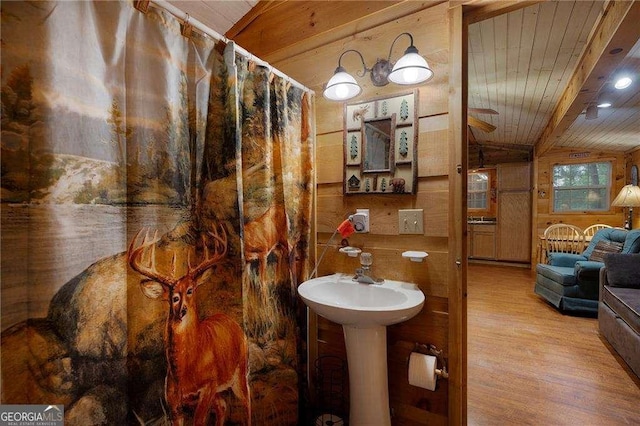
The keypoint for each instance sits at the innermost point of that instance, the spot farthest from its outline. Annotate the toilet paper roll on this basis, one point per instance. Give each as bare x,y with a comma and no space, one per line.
329,420
422,371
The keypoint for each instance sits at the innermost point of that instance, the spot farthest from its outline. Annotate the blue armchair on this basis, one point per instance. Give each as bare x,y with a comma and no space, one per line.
570,281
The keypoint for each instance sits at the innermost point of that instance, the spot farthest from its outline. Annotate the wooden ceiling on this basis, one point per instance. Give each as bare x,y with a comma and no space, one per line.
616,128
220,16
520,64
539,67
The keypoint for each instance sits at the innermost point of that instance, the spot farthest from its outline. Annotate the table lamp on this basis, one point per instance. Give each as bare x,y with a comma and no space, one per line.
629,196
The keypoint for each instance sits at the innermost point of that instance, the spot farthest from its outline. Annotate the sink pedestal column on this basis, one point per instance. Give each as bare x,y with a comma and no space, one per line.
368,384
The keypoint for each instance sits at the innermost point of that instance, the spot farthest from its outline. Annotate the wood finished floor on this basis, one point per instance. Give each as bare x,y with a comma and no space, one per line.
530,365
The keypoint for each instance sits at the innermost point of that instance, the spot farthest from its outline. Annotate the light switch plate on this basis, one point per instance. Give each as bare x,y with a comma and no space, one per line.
410,221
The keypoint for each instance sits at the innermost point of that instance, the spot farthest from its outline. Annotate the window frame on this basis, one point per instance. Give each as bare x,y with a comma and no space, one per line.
487,192
611,185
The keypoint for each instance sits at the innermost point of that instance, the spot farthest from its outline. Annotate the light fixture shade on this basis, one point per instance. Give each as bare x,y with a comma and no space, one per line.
411,68
592,112
342,86
629,196
604,100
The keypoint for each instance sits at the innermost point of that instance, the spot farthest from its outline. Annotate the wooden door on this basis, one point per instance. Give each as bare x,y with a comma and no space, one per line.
514,177
514,229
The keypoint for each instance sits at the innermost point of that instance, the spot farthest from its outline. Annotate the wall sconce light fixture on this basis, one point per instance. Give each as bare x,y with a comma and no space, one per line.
411,68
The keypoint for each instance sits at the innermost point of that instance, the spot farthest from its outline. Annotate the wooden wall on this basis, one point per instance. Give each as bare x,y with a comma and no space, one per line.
409,404
304,39
543,214
372,36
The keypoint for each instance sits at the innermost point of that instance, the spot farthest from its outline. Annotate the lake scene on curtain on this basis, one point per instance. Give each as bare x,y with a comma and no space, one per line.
156,200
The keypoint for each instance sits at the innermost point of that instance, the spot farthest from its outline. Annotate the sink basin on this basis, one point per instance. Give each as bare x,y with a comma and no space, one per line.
345,301
364,310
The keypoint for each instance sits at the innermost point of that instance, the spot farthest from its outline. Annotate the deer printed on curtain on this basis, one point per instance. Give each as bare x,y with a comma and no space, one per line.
208,153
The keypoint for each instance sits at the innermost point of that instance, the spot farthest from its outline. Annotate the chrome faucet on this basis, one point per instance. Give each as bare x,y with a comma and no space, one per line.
363,274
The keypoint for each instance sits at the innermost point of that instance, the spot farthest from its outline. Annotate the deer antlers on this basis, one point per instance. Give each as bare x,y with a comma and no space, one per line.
135,259
148,269
219,251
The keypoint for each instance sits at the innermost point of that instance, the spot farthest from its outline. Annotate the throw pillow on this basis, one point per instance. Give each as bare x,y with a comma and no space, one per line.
623,270
605,247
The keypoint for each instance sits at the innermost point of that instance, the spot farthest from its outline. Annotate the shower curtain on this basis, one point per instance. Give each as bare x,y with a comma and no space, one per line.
156,202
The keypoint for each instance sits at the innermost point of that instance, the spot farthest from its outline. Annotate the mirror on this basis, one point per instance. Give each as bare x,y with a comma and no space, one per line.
378,145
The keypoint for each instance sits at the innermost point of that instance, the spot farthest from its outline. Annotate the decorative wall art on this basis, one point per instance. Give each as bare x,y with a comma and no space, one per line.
380,143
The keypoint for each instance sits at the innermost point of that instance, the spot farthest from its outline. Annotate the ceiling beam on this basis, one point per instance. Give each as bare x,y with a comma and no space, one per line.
260,8
291,28
479,10
617,29
480,124
505,146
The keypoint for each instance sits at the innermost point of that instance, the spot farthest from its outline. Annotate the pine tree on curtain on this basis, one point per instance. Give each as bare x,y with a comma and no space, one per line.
276,214
124,179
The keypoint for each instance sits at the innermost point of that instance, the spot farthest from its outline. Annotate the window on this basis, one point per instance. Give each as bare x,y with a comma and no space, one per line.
581,187
477,191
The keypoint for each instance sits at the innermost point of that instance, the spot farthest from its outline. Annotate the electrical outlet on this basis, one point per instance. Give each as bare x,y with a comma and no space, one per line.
410,221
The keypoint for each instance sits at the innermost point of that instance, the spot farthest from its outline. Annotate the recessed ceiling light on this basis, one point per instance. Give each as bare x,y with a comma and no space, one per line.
623,83
604,104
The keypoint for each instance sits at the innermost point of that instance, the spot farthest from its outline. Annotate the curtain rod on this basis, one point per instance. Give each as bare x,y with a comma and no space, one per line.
211,33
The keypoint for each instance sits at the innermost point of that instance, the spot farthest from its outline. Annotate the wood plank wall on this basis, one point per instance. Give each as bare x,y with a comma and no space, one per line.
304,39
543,214
313,67
410,405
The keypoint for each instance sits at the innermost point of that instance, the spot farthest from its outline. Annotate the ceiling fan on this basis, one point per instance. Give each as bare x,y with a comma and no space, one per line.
481,124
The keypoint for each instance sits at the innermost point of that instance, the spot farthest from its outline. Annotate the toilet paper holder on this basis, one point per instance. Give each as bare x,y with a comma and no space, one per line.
428,349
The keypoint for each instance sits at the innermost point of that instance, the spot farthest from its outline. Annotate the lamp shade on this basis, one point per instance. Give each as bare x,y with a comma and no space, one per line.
411,68
342,86
629,196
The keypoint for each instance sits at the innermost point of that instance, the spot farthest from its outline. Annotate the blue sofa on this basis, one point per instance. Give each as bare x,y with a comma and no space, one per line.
570,282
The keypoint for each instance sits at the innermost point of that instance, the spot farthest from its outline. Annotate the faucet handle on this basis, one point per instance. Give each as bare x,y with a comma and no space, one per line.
366,259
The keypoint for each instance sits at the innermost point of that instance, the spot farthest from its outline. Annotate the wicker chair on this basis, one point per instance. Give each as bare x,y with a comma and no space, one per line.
563,238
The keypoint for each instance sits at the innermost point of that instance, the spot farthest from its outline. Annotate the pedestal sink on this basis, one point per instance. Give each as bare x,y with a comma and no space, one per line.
364,310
